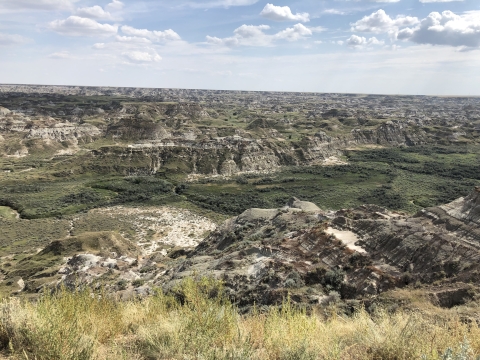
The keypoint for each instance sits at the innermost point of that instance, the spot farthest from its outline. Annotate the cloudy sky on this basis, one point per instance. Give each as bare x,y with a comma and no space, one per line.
362,46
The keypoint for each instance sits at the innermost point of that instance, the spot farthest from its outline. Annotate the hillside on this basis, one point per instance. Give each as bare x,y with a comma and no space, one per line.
340,204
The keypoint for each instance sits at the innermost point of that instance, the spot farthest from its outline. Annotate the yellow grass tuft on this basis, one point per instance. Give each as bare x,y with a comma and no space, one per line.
198,322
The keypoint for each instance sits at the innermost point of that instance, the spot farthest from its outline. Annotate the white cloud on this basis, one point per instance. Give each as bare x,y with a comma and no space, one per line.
9,39
250,35
251,31
142,56
115,5
140,50
133,39
316,29
380,22
230,42
333,12
157,36
254,35
78,26
94,12
60,55
294,33
143,47
446,28
37,4
360,41
283,13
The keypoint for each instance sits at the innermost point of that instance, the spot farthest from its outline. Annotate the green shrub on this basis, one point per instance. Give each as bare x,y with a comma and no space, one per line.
138,283
334,278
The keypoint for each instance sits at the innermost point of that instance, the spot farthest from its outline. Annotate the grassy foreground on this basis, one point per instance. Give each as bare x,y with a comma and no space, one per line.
200,323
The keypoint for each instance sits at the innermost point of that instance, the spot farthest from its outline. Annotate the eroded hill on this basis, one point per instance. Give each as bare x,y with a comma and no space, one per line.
135,189
352,256
220,132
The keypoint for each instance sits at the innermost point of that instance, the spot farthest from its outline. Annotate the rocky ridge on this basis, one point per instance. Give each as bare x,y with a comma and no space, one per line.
221,132
235,155
263,255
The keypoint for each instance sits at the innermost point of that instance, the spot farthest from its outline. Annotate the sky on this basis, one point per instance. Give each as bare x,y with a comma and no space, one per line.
429,47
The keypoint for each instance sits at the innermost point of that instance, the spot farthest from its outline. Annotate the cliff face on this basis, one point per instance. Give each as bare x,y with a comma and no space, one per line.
225,156
200,150
13,124
222,156
233,155
64,131
418,247
391,133
265,255
46,128
134,129
314,149
436,244
262,256
188,110
465,209
359,252
211,133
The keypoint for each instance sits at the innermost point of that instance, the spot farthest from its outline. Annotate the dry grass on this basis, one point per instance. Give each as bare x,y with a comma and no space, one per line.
199,323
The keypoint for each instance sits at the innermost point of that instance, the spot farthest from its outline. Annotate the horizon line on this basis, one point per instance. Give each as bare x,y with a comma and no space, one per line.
233,90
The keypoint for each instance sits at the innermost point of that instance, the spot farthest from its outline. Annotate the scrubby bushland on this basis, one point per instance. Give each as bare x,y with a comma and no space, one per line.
198,322
404,179
135,189
231,204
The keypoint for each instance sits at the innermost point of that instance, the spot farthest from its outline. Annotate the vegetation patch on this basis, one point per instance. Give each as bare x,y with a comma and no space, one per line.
198,321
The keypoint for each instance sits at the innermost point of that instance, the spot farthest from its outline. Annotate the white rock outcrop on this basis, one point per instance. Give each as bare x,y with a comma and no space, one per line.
4,111
64,131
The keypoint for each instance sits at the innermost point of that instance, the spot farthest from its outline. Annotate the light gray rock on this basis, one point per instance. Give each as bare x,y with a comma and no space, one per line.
4,111
258,214
465,209
303,205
